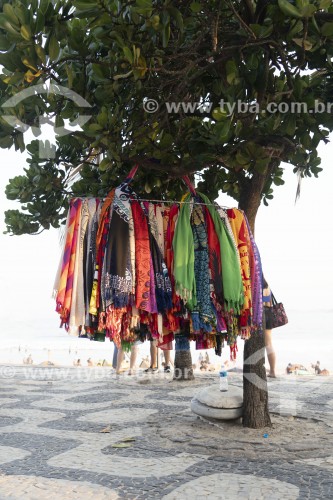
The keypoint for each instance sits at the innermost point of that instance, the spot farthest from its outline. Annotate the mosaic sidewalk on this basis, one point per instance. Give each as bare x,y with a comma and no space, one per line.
83,433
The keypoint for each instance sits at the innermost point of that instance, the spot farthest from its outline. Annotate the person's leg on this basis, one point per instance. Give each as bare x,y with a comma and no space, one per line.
120,358
134,354
153,353
167,355
115,356
270,352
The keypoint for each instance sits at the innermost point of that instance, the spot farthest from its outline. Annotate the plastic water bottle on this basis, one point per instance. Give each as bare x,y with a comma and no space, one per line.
223,379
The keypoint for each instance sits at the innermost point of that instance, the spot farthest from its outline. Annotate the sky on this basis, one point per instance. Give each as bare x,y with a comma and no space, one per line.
295,242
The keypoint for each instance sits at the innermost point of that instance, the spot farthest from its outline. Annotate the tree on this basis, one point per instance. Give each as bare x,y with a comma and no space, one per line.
244,64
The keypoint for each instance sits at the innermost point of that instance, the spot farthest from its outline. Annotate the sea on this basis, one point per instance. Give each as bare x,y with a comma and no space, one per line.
306,339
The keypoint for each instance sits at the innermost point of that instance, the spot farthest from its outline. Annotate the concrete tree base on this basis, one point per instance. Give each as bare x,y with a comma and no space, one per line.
212,403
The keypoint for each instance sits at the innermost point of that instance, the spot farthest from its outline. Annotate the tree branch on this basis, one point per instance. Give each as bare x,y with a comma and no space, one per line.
242,22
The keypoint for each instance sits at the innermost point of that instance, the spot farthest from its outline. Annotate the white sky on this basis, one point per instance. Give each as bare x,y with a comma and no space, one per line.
295,242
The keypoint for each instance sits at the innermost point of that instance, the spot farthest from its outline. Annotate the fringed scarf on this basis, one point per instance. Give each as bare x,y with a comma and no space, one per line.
56,285
156,227
64,296
117,275
163,291
77,314
231,276
183,264
214,250
114,322
223,215
163,288
239,228
168,242
256,280
202,312
90,257
142,258
170,218
152,294
101,241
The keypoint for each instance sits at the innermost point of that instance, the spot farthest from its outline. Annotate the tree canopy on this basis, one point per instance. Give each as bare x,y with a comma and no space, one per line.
243,64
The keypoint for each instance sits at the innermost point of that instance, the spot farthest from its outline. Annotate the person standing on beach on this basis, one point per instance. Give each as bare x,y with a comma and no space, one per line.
153,358
267,303
317,368
119,357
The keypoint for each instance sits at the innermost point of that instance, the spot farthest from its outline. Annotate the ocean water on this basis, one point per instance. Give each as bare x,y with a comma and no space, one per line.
306,339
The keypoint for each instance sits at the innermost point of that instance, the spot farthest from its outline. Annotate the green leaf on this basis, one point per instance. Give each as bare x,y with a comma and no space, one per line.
40,21
102,117
54,48
70,75
325,4
6,142
29,63
16,78
174,12
22,13
59,122
40,53
261,31
222,130
300,42
219,114
26,32
95,127
166,31
298,26
104,165
309,11
301,4
289,9
239,126
155,22
315,24
128,54
121,445
4,43
11,63
195,7
261,165
10,14
327,29
241,159
291,125
232,71
43,6
143,7
100,71
305,8
278,181
124,75
5,24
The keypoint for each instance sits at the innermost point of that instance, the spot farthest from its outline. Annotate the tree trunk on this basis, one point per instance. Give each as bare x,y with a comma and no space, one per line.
256,414
183,359
250,197
255,395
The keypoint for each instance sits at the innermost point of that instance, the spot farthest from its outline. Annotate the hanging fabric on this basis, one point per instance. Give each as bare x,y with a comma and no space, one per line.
134,268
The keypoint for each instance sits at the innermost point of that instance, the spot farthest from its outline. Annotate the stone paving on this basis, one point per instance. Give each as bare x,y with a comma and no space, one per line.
85,433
